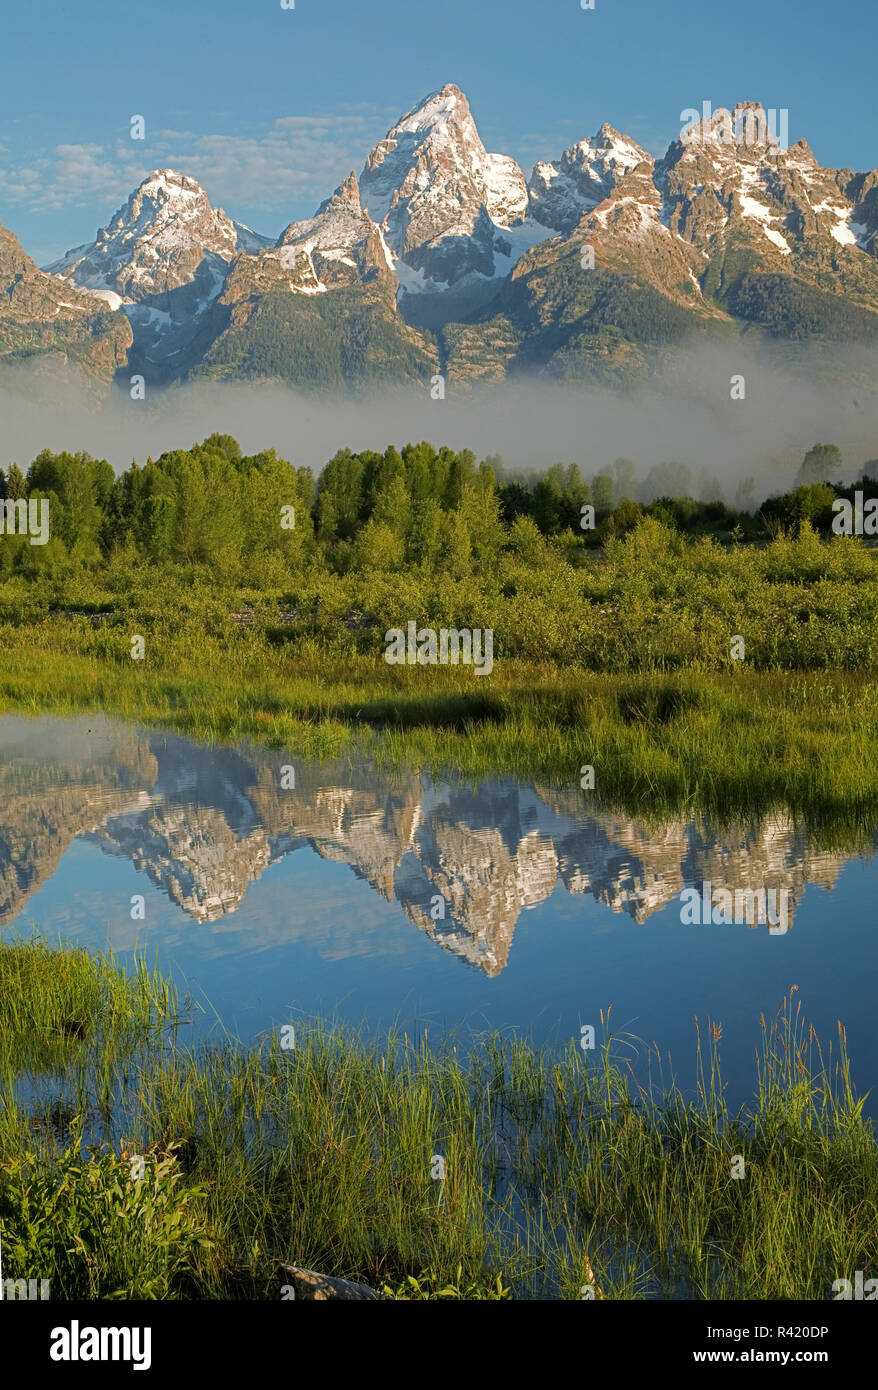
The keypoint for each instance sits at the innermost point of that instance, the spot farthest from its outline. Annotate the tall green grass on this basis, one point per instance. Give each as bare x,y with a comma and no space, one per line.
567,1174
58,1004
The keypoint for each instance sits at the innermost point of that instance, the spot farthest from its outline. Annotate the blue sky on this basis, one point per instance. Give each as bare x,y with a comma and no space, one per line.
271,108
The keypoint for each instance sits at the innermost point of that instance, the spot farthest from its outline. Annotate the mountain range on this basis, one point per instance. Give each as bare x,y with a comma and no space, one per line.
443,257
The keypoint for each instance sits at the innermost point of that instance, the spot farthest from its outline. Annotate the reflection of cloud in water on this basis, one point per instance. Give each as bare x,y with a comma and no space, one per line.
204,823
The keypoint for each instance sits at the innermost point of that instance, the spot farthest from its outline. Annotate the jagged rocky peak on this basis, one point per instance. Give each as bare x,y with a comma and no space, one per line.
438,193
435,155
13,257
340,245
339,220
156,241
587,173
707,158
732,173
347,195
602,191
747,127
728,145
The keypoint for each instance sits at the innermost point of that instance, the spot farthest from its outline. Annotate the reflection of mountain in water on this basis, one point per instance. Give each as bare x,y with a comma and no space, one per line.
204,823
59,780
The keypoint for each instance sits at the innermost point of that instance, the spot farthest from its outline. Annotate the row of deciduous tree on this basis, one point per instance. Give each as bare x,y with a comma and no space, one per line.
213,505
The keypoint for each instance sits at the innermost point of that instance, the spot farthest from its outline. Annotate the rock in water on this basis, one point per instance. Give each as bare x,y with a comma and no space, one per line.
309,1284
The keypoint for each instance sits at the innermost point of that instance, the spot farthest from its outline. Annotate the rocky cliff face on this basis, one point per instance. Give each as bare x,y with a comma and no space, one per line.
339,247
42,317
319,308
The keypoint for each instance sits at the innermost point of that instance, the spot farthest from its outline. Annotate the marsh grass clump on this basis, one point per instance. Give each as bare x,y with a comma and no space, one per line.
561,1170
58,1004
658,703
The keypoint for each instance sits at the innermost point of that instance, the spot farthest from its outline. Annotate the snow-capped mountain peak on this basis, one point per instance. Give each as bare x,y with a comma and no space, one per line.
435,110
587,173
166,185
438,194
155,242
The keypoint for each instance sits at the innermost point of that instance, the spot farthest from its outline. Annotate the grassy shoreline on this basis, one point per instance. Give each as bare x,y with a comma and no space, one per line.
562,1172
660,745
624,658
723,744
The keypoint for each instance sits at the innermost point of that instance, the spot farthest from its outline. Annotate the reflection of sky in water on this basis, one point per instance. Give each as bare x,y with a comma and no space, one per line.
530,941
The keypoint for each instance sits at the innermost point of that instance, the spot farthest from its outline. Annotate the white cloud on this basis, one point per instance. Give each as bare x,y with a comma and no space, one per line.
69,175
297,158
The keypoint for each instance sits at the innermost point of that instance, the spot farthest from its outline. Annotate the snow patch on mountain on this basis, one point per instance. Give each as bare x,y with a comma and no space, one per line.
505,190
412,281
110,297
513,242
753,208
387,253
844,231
250,241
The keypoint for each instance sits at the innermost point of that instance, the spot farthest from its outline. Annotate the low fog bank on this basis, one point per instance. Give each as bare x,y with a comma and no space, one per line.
686,415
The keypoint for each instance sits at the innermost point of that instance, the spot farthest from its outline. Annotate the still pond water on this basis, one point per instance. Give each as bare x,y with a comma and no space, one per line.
379,899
